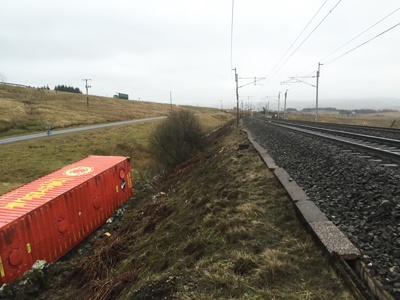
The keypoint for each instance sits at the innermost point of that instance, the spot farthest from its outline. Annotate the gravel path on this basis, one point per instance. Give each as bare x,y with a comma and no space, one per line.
359,195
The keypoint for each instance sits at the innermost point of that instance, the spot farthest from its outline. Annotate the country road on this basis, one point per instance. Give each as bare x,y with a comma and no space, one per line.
70,130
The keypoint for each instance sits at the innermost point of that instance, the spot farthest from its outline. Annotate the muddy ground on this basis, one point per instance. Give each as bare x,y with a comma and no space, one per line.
217,227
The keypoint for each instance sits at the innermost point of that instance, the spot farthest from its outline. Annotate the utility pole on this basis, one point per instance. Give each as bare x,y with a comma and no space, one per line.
237,98
87,90
284,108
316,98
221,104
170,98
279,104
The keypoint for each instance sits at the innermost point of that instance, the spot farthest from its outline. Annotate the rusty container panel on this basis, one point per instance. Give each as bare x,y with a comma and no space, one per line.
46,218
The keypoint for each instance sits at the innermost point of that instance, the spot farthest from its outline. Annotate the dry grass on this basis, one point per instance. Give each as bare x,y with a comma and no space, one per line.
224,241
210,234
25,161
25,110
250,209
206,234
379,119
96,275
101,264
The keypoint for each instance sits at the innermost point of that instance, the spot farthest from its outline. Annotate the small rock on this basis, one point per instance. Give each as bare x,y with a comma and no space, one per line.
39,265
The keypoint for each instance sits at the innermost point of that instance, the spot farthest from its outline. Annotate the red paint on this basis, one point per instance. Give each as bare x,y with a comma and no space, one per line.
46,218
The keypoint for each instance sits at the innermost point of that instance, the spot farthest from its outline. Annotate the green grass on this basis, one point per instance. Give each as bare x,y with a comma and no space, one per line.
23,162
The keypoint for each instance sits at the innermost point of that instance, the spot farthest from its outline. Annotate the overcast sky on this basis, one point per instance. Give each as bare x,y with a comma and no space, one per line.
149,48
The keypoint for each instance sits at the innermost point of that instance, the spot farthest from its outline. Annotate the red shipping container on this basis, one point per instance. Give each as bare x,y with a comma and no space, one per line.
46,218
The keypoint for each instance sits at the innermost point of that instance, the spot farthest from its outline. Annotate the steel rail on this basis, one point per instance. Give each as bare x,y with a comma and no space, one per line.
352,126
392,154
376,139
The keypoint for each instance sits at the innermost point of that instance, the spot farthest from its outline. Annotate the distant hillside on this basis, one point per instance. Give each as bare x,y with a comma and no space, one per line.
24,109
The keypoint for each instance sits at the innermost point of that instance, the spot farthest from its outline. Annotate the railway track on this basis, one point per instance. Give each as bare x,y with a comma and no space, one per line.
392,133
353,179
382,147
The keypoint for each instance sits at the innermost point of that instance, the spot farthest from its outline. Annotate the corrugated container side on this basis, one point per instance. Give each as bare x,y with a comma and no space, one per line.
48,217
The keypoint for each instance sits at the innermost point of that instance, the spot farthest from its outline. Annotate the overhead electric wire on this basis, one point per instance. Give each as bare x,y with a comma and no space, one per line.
322,59
297,38
361,34
362,44
298,47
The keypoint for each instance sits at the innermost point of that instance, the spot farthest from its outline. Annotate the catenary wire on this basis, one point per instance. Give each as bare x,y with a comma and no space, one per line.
362,44
322,59
298,47
268,78
297,38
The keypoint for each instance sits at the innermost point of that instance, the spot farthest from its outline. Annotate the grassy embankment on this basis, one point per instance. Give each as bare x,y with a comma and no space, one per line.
221,227
23,110
25,161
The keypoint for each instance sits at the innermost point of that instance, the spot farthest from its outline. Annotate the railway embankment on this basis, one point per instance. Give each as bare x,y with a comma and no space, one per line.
220,226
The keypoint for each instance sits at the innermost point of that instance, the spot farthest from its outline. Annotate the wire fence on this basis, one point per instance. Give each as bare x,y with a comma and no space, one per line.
14,84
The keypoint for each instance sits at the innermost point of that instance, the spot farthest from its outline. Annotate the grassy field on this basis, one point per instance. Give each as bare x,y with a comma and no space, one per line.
23,162
24,110
378,119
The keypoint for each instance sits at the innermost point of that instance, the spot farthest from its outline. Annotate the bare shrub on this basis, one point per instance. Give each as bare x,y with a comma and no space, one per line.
177,138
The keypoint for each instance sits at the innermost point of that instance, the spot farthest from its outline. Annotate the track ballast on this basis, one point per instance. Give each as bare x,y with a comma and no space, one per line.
358,192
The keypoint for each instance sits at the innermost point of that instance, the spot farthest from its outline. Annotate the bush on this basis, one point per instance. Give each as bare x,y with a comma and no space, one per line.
177,138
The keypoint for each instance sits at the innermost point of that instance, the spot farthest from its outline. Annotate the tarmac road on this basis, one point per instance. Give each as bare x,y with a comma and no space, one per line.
62,131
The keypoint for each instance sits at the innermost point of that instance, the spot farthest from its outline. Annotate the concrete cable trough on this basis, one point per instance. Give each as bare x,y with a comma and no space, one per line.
340,248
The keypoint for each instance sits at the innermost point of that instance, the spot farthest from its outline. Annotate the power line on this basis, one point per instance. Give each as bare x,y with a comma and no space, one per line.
362,44
360,34
322,59
298,47
297,38
269,77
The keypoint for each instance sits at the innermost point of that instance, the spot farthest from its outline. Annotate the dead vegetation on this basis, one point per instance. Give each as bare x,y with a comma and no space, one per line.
177,138
101,264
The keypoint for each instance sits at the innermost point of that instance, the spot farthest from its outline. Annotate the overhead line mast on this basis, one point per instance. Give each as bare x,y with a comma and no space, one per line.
316,96
87,90
237,97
